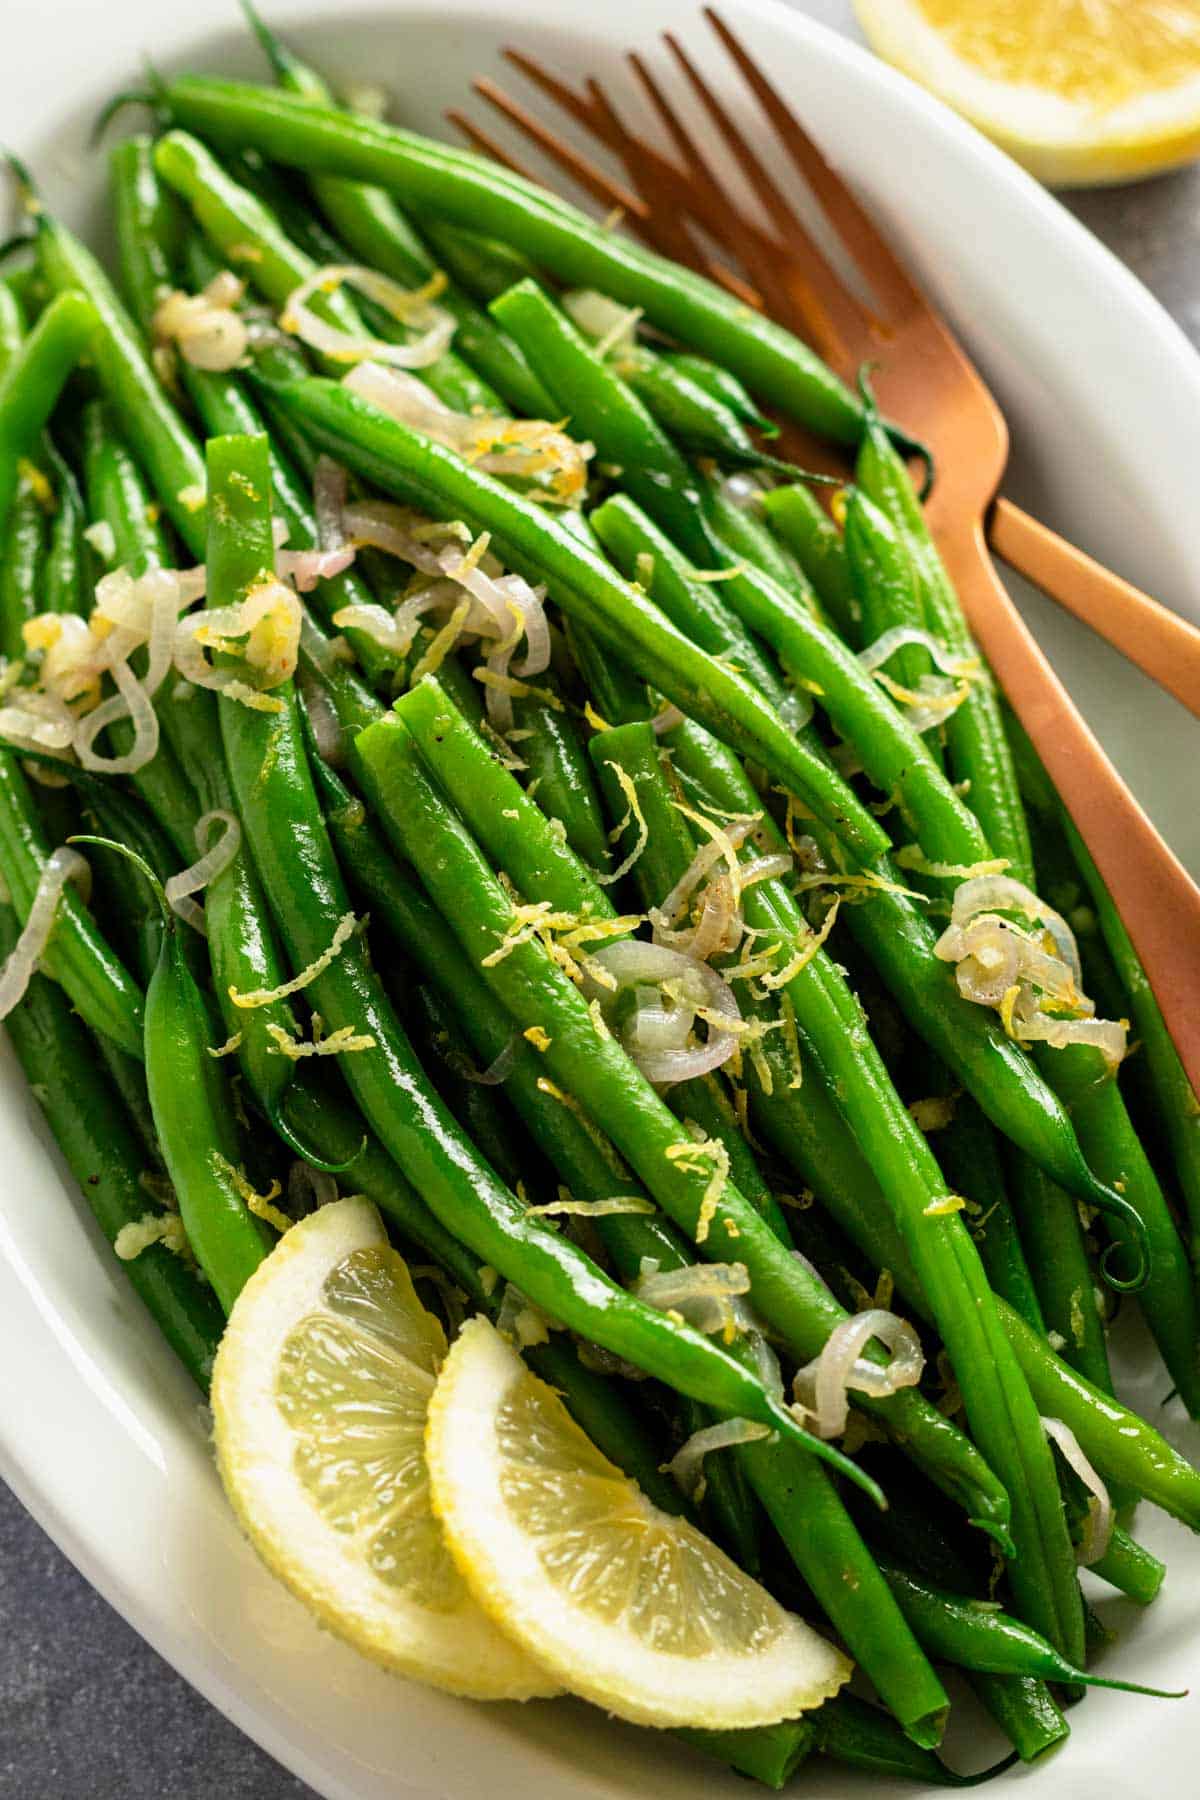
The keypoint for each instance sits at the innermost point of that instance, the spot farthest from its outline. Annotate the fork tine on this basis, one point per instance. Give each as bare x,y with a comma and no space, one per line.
889,279
583,109
488,146
829,315
589,175
597,116
835,320
701,194
653,173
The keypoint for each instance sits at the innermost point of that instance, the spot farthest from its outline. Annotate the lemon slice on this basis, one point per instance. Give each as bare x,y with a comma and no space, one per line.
630,1607
1078,90
320,1391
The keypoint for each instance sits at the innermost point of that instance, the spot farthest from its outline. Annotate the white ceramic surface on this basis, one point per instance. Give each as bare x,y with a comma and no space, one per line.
99,1434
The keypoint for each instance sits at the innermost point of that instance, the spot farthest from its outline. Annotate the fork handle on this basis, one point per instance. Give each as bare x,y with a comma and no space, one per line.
1165,646
1156,897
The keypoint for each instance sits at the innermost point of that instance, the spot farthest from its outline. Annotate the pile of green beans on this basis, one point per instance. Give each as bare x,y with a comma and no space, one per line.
441,892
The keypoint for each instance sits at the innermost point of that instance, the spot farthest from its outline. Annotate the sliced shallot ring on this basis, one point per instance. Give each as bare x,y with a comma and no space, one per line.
211,863
62,865
841,1366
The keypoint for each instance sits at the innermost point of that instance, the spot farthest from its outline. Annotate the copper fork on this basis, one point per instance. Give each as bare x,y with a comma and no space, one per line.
927,383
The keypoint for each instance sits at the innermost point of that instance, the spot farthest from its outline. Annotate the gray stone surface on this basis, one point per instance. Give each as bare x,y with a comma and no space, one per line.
90,1712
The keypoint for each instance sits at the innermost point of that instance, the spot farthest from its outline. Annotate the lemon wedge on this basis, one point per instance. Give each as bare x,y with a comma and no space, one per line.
1079,91
629,1606
320,1391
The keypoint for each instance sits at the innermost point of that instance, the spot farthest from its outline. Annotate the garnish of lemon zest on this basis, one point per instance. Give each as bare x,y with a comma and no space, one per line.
266,996
717,832
228,1047
710,575
342,1042
537,1037
164,1228
791,1038
440,646
546,1086
695,1156
753,966
37,482
595,1209
780,977
1005,1009
867,879
911,856
520,690
598,1019
628,788
259,1204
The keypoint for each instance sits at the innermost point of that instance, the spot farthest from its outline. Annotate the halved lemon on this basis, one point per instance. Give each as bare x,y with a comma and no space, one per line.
320,1391
630,1607
1080,91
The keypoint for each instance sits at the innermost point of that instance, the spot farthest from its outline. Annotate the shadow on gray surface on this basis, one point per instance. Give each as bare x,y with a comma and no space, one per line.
88,1711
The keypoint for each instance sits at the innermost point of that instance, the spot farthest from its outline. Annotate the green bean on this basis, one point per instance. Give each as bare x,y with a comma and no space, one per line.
474,1103
1026,1712
700,422
1114,1151
1053,1240
124,902
694,607
852,1731
376,230
67,582
706,1104
975,1636
104,1156
721,384
199,1141
885,586
592,1068
998,1406
618,697
149,228
1089,1088
743,534
282,819
22,571
1177,1109
999,1075
770,1753
483,266
12,324
77,955
488,200
797,517
1130,1567
33,380
969,1157
977,747
145,417
548,744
